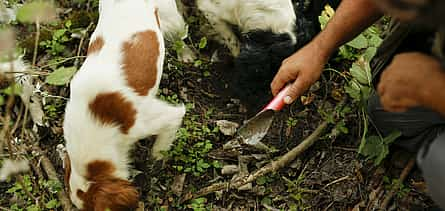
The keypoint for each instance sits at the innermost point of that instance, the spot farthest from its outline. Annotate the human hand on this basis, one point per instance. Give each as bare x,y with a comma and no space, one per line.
410,80
302,68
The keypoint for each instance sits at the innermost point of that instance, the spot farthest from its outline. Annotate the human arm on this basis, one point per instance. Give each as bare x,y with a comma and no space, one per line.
413,79
305,66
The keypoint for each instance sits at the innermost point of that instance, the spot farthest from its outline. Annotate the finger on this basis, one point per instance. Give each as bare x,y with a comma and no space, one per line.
296,90
397,109
407,102
388,102
283,76
381,88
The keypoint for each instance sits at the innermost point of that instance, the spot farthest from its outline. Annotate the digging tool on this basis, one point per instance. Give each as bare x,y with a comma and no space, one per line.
254,130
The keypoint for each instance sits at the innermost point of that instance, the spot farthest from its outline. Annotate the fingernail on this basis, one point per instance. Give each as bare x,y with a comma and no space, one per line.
288,100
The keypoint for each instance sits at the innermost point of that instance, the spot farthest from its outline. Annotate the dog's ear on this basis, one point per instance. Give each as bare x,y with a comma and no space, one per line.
106,192
110,195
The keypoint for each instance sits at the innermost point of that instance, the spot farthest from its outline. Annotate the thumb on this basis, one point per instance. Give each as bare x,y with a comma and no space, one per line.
296,89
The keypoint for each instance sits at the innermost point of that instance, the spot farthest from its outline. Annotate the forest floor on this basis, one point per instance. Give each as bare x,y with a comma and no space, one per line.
330,175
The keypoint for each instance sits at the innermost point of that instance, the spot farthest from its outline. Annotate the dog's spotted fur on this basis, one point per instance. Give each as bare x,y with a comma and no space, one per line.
113,104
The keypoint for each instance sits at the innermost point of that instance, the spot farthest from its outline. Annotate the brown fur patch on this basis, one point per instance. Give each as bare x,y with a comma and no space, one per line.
96,45
112,108
67,177
107,191
141,54
157,17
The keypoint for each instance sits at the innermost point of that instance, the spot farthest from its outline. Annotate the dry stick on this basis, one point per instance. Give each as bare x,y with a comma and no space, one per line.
272,167
52,175
409,166
36,44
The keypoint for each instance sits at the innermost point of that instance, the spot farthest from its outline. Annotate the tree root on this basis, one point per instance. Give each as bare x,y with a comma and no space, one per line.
271,167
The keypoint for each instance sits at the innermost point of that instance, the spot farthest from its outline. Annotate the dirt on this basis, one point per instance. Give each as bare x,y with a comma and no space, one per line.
329,176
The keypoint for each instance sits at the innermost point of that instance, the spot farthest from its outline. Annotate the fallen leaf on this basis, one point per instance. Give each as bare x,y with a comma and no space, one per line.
229,169
227,128
178,184
61,76
37,11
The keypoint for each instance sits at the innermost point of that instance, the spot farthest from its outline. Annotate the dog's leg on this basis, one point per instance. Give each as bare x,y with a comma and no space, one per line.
174,28
156,117
223,30
167,132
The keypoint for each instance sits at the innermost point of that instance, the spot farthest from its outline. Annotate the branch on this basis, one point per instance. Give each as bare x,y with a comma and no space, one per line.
271,167
52,175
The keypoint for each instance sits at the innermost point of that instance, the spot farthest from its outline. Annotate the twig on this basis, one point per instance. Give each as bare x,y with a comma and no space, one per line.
36,44
52,175
62,61
30,72
19,117
409,166
79,49
337,181
272,167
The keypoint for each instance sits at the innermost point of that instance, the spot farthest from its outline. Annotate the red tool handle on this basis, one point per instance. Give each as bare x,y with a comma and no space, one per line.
277,103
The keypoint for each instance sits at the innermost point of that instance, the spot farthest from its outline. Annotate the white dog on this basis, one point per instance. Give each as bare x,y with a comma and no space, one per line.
113,104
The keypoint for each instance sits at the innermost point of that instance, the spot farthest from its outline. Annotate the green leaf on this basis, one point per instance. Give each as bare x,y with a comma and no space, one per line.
392,137
353,89
61,76
377,148
37,11
68,24
13,90
2,100
261,180
203,43
375,40
365,92
52,204
359,74
370,53
33,208
325,16
59,33
360,42
197,63
178,46
266,200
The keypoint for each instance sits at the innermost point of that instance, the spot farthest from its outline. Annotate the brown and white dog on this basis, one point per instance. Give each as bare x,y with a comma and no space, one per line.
113,104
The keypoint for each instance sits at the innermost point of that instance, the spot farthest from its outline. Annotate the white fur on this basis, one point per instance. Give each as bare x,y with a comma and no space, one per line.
174,27
87,139
249,15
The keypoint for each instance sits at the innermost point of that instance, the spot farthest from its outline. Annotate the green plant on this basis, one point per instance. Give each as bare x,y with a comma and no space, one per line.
173,99
14,89
360,51
297,193
376,148
57,44
199,204
291,122
45,201
193,143
397,185
53,108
